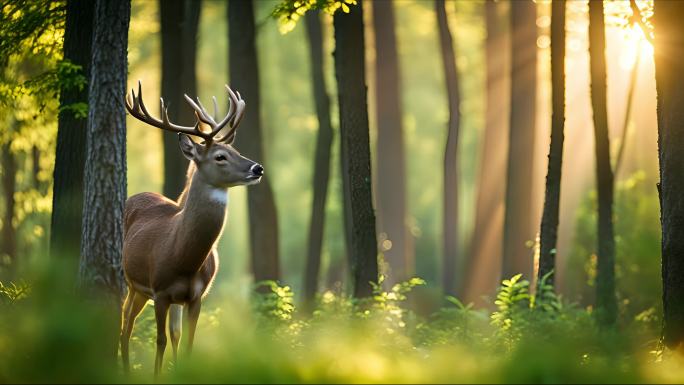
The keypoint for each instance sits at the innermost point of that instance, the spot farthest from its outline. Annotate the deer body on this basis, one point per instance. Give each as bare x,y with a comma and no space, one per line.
190,230
169,253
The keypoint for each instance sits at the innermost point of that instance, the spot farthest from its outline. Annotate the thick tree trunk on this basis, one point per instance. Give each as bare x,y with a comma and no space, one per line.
669,59
451,240
606,302
484,259
390,172
549,223
518,228
244,77
67,200
322,158
355,148
179,23
8,248
105,171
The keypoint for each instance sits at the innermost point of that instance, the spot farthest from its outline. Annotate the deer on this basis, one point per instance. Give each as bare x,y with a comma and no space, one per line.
169,249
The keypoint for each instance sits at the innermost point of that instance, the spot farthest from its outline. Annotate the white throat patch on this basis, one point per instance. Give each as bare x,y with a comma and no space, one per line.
219,196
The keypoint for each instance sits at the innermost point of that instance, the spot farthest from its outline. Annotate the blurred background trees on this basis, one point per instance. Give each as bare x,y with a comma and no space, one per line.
179,21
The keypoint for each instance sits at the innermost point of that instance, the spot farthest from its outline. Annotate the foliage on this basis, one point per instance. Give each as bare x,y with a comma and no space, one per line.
344,341
288,12
11,293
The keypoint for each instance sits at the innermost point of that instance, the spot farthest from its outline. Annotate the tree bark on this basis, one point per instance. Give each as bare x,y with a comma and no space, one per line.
484,260
669,51
67,200
105,171
451,239
391,161
179,24
606,302
244,77
322,157
355,148
549,223
517,257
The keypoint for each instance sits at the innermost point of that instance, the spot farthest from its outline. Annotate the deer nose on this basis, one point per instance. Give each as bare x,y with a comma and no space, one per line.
257,169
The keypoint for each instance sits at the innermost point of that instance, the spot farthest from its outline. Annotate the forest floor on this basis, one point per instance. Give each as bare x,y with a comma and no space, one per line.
48,336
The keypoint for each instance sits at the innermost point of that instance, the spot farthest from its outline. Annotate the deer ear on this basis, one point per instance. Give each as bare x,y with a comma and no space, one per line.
187,146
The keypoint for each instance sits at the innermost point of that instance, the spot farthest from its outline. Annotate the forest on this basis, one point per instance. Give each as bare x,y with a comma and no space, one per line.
341,191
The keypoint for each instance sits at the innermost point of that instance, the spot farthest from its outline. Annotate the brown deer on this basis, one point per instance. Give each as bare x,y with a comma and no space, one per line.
169,253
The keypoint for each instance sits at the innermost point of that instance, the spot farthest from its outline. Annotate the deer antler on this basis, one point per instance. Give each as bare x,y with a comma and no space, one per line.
136,107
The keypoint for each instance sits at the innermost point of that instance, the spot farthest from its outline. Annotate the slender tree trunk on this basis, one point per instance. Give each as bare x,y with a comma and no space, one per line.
355,148
322,158
484,259
606,302
391,166
8,248
517,258
628,110
549,223
35,169
451,240
67,200
669,54
179,23
244,77
105,171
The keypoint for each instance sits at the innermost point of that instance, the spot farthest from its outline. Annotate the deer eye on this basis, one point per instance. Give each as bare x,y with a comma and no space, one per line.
220,158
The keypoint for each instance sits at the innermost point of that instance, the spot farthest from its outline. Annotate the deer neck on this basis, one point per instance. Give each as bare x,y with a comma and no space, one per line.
203,211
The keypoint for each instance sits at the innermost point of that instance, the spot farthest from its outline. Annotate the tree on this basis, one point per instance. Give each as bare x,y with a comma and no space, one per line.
105,170
483,261
355,149
517,218
606,301
322,158
391,161
9,187
179,23
549,222
450,153
67,201
669,51
244,77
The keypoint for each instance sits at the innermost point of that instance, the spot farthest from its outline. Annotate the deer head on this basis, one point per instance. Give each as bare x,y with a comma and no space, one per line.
217,161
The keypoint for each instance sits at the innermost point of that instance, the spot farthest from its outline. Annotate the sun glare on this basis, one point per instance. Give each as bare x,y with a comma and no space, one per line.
635,43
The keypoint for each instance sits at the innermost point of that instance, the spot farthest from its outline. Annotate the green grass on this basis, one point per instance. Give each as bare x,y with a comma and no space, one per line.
50,336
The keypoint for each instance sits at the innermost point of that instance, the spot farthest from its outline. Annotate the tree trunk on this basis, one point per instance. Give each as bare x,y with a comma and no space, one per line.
517,257
484,259
669,51
35,169
67,200
605,275
8,248
391,161
450,153
322,158
549,223
105,171
179,23
355,148
244,77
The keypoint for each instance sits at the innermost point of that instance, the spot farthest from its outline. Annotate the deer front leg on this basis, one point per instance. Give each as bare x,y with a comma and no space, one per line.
161,310
175,319
193,315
